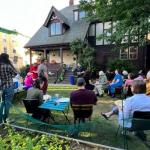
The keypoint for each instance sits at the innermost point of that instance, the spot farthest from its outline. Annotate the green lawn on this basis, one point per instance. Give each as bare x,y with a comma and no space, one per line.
101,131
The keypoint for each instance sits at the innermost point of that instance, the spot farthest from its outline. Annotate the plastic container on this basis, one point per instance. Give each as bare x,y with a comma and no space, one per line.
72,80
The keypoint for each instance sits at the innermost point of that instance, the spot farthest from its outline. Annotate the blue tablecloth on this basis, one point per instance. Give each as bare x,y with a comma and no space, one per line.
54,104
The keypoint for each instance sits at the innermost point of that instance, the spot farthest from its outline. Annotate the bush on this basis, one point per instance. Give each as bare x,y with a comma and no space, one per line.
121,65
23,140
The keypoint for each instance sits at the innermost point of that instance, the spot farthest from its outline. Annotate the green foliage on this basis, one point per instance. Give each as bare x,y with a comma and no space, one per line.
121,65
130,17
85,55
23,70
22,140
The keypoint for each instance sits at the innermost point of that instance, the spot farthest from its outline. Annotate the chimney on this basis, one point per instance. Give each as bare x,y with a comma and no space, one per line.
71,2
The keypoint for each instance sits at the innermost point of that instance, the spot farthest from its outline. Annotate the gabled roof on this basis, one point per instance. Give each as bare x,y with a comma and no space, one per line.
58,14
77,30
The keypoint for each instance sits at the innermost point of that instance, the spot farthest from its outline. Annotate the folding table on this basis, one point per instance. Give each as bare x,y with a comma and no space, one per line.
56,104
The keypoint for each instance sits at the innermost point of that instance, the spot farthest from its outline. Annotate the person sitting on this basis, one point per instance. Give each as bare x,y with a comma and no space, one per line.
88,85
82,96
125,74
117,82
148,83
99,91
110,75
138,102
37,94
140,75
28,81
127,86
103,80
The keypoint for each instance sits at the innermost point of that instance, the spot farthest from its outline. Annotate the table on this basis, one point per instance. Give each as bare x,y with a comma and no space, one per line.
57,105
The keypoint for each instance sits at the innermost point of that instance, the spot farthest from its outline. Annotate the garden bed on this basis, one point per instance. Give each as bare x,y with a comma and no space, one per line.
20,138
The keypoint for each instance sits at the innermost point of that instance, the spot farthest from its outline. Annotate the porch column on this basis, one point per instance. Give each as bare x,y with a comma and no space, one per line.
45,54
61,56
30,56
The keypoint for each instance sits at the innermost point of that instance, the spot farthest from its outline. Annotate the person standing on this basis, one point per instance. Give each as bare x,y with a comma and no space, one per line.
7,72
33,70
43,74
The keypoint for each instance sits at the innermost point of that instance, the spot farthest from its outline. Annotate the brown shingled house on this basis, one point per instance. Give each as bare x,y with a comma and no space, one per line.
62,27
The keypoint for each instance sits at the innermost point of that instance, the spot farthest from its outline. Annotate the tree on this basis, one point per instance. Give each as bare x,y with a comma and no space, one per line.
129,17
85,55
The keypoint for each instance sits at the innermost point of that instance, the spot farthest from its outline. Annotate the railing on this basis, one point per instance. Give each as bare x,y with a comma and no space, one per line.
56,70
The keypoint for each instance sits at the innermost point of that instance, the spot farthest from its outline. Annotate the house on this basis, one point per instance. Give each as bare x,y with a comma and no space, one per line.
12,43
62,27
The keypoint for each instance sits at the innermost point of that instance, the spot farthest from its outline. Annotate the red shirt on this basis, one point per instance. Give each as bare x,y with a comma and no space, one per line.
32,69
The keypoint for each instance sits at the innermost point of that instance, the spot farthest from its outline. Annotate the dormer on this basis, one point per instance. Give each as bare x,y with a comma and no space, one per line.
79,14
56,23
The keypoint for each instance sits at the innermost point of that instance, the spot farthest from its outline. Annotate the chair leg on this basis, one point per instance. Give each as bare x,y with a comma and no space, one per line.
125,139
117,131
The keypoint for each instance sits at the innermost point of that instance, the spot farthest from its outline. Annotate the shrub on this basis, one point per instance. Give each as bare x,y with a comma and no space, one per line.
121,65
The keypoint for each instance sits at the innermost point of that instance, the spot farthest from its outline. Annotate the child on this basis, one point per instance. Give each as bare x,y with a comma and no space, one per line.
28,82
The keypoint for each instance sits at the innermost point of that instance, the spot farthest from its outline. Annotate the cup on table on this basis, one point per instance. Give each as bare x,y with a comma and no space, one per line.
57,96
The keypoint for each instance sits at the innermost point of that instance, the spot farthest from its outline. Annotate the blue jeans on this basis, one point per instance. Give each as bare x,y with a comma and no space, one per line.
7,97
111,88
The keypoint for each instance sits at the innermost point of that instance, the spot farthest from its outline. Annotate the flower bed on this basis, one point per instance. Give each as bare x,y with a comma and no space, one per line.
18,138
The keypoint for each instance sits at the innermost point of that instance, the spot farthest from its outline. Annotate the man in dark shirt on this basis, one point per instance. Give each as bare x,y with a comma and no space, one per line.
82,96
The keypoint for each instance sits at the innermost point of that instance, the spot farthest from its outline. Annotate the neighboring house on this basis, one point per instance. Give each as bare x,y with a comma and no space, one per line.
64,26
12,43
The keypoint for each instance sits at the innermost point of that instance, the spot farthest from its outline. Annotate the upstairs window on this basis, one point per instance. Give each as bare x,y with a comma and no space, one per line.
92,30
5,49
79,15
82,15
103,29
55,28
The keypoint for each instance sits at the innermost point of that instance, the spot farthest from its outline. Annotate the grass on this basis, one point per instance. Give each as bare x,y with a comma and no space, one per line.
101,131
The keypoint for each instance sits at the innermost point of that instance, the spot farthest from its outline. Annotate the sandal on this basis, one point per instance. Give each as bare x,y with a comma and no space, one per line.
103,114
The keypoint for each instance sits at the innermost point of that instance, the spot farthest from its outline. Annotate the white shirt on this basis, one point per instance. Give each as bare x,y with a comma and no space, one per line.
138,102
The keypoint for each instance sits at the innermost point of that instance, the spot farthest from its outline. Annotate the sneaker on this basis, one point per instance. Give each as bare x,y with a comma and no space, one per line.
112,95
103,114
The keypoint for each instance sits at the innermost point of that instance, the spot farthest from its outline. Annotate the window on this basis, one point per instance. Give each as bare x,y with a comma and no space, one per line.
129,53
79,15
133,52
92,30
124,53
99,31
107,32
15,59
5,49
75,15
103,29
14,50
4,41
55,28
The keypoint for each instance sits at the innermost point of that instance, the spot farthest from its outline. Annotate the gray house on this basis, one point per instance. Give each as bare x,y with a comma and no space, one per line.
64,26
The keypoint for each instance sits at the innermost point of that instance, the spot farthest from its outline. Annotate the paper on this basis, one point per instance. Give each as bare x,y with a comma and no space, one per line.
64,100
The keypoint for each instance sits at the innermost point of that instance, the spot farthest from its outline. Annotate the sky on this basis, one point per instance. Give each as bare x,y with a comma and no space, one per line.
27,16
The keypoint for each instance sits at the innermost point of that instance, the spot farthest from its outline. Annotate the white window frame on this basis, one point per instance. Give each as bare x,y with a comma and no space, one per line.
128,53
133,53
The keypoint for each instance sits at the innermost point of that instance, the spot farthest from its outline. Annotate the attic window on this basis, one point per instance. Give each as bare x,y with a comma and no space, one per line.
55,28
79,15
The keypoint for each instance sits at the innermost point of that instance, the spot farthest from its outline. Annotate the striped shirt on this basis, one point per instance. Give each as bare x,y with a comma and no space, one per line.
7,72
